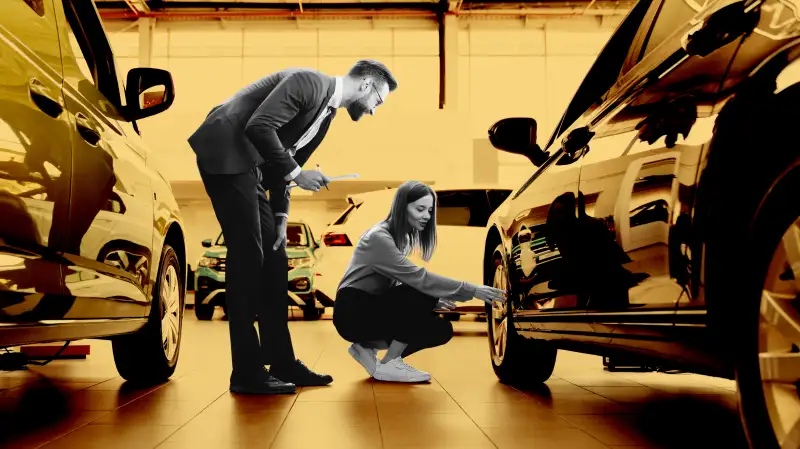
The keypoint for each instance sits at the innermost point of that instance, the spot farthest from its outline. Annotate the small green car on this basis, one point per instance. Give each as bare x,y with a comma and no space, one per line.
303,252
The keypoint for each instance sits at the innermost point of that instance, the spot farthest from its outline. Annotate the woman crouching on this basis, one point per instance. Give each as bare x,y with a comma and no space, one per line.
384,301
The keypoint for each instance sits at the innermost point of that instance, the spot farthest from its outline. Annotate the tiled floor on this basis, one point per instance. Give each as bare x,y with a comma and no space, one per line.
83,404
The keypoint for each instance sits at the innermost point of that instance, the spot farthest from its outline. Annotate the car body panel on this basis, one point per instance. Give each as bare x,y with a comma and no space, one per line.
35,167
631,239
86,264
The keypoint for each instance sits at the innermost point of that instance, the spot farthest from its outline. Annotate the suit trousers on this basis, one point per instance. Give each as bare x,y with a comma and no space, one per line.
256,280
401,313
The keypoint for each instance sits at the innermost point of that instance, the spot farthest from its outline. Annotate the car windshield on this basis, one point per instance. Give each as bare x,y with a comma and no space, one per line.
295,235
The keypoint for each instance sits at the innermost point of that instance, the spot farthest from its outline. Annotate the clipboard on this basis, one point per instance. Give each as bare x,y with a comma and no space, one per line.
335,178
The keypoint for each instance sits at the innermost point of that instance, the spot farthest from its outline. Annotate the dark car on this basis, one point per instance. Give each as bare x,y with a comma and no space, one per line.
660,221
91,240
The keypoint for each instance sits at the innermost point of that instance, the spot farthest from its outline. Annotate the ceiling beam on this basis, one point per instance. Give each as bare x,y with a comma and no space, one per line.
302,7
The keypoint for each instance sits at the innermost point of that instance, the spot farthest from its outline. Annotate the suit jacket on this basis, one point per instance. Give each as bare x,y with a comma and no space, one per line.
257,126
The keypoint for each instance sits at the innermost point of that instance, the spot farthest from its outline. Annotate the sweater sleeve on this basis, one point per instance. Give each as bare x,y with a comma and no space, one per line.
389,261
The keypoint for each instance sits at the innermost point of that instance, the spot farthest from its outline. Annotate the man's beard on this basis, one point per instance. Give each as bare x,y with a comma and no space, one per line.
357,109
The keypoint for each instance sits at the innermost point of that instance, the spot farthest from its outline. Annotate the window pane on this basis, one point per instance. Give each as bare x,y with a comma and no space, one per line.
36,5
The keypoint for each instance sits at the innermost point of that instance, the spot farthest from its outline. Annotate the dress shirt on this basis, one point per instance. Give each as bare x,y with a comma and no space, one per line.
334,103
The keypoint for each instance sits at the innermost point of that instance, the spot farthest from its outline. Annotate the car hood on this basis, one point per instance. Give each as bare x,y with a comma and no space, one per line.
221,252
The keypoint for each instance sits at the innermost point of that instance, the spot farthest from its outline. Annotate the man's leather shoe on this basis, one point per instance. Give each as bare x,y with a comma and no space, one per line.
297,373
263,383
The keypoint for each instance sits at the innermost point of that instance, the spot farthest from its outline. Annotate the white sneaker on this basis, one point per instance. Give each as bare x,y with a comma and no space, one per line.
397,371
368,358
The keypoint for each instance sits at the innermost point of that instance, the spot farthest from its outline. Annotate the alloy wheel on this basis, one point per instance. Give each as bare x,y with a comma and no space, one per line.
170,312
779,339
499,317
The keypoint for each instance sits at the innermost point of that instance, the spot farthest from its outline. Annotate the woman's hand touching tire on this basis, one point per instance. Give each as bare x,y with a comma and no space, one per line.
490,294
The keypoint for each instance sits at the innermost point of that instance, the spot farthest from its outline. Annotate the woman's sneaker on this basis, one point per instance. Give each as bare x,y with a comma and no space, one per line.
368,358
397,371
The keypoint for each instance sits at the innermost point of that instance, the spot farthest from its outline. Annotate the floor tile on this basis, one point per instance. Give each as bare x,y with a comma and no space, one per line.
434,429
521,437
86,404
102,436
341,437
358,391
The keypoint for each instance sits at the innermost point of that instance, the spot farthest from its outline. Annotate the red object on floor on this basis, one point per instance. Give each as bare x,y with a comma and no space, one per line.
48,351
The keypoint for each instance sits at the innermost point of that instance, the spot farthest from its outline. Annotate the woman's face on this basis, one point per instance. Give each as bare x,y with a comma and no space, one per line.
419,212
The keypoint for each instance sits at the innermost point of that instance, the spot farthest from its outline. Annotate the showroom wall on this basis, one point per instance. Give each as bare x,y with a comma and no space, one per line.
506,67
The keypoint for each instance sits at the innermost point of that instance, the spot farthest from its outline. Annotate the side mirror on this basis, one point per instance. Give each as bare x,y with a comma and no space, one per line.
148,92
207,243
517,135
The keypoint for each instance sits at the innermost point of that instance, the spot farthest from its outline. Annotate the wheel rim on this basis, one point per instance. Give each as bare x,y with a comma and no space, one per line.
779,339
499,318
170,312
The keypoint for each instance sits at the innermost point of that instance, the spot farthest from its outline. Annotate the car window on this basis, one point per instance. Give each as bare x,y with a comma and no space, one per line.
671,16
296,235
604,72
462,208
36,5
88,60
220,240
496,197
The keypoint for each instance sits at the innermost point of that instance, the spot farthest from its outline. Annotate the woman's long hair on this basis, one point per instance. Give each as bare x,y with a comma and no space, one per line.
405,237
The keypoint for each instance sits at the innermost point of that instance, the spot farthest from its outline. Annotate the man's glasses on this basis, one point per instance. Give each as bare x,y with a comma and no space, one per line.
380,98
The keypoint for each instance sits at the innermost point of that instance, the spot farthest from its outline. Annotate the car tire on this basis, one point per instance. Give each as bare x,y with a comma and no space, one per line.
311,312
151,354
757,247
203,312
516,360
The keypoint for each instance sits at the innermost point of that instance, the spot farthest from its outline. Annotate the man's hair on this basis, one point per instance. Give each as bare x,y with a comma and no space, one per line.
374,69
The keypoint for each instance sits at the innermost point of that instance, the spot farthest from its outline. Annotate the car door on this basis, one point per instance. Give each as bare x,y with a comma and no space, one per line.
539,267
110,234
638,180
34,164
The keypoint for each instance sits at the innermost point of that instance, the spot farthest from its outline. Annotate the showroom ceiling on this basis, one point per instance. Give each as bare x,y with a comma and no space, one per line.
264,8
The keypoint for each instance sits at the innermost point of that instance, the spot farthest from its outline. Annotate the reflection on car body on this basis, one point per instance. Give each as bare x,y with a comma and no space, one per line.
661,220
91,241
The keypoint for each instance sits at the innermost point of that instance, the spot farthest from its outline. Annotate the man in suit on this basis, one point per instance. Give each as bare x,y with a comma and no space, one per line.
256,142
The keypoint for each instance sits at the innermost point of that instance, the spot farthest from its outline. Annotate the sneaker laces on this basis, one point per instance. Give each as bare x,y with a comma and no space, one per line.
406,366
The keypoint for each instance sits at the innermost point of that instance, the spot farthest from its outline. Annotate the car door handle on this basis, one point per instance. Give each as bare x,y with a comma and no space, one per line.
39,96
86,130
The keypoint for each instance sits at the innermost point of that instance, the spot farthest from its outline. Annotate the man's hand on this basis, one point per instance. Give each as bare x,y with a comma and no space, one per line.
280,230
311,180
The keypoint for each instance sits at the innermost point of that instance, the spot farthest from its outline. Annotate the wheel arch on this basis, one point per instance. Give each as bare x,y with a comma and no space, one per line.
176,238
493,238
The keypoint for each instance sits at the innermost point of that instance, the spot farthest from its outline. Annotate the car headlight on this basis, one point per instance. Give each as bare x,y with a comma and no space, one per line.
301,284
209,262
300,261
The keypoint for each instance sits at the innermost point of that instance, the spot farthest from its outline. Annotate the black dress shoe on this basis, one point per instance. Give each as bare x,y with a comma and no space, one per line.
262,383
297,373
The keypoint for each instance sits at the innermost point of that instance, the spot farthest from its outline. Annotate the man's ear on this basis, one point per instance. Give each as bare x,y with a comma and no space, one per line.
365,84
